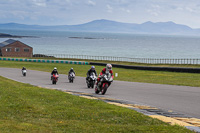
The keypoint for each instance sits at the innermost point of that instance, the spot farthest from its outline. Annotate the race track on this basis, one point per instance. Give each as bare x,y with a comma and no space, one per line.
181,99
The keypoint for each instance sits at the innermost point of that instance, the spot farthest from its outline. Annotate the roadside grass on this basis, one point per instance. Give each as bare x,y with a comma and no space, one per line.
26,108
158,77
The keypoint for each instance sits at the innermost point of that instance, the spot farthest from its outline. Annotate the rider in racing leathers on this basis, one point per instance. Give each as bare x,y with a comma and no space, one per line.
23,68
90,71
54,72
107,69
70,71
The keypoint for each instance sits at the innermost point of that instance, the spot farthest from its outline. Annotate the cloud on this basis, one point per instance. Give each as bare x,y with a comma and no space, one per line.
80,11
92,3
190,9
126,10
109,9
154,10
41,3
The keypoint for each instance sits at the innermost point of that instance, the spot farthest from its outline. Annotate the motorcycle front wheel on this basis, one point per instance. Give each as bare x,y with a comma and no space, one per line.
96,90
104,89
88,85
92,84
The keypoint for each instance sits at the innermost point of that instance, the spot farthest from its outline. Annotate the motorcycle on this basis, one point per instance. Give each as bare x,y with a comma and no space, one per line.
104,83
71,77
54,78
91,80
24,73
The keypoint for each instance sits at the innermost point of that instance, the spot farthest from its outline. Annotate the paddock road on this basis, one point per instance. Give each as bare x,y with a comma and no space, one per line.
182,99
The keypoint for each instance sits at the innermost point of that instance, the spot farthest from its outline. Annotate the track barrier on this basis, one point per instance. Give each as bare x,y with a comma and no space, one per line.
46,61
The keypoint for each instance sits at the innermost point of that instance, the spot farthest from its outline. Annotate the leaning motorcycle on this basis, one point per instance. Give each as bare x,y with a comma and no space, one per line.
71,77
104,83
91,80
24,73
54,78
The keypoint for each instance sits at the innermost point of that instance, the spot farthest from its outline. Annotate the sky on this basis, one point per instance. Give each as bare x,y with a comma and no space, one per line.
72,12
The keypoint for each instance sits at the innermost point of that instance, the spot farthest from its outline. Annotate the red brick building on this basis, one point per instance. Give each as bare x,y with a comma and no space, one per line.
14,48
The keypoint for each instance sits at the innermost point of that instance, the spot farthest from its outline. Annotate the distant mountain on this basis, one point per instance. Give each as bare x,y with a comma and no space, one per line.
103,25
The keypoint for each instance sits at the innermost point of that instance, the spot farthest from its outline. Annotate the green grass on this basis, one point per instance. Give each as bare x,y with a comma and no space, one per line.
159,77
25,108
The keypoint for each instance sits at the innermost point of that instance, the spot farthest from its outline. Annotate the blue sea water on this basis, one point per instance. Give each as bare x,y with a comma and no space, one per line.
109,44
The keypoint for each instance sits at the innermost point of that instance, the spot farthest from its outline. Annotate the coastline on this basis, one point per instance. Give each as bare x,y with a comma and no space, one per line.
3,35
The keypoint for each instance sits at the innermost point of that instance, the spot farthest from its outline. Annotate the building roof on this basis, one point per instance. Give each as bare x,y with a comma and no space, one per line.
10,42
7,42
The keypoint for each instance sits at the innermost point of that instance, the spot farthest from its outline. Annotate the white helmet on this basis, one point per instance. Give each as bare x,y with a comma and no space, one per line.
55,68
108,67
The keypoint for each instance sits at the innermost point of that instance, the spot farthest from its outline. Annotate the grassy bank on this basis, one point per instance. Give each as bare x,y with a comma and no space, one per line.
25,108
159,77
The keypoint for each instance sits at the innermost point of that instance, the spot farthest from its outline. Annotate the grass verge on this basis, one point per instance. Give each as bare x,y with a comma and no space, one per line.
25,108
158,77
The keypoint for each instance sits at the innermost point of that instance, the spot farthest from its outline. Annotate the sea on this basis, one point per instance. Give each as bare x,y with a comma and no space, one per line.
109,44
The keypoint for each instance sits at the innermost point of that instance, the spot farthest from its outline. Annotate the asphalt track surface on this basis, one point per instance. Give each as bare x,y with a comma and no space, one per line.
182,99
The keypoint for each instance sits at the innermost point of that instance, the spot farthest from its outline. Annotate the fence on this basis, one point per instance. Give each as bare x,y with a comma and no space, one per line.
125,59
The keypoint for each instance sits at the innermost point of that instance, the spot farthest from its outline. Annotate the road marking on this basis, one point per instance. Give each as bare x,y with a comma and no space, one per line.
88,97
68,92
193,121
170,120
119,104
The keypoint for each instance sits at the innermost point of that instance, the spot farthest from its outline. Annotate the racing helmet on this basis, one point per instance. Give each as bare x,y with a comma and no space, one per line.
108,67
93,67
55,68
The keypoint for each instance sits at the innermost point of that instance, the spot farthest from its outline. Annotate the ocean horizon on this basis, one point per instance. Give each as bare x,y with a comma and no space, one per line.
109,44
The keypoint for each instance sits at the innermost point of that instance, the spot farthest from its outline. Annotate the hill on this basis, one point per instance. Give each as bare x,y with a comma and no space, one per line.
113,26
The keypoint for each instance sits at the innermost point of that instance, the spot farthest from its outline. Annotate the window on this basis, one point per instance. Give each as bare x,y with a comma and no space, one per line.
8,49
26,50
17,49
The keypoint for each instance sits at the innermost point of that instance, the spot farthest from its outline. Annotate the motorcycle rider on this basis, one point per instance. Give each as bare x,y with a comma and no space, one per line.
54,72
23,72
23,68
107,69
70,71
92,69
